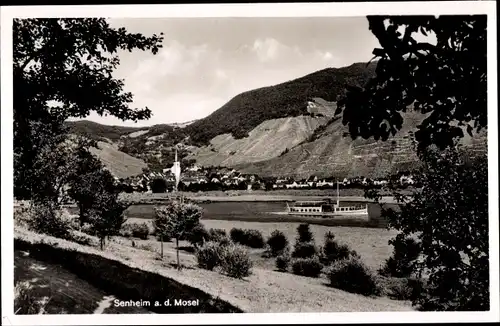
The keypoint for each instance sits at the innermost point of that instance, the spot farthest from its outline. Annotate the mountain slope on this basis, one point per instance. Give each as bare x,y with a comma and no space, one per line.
99,131
334,153
248,110
269,139
118,163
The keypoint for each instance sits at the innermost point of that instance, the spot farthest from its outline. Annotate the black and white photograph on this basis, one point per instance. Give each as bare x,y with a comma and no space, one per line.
256,163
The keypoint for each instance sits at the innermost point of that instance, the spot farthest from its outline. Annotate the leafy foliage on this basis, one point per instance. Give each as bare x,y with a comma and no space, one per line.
177,220
304,233
209,255
106,216
406,289
310,267
332,251
405,253
45,218
217,235
449,219
88,180
277,242
283,260
236,234
198,236
353,276
446,80
304,250
247,237
158,185
136,230
63,68
236,261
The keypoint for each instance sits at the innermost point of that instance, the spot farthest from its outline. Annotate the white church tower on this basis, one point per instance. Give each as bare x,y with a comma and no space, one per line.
176,170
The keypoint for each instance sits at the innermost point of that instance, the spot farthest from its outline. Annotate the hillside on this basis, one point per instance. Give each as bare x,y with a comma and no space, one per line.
334,153
289,129
118,163
108,133
269,139
99,131
248,110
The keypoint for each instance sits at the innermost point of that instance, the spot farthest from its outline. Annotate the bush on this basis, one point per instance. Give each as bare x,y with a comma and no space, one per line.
136,230
236,261
198,236
249,238
253,239
304,250
43,218
237,235
305,234
310,267
329,236
277,242
283,261
405,289
88,229
405,252
209,255
158,185
217,235
353,276
81,239
166,237
332,251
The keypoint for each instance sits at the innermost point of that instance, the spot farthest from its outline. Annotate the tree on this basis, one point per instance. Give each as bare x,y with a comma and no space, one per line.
304,233
178,220
51,169
106,216
449,218
446,80
63,68
92,187
158,185
87,179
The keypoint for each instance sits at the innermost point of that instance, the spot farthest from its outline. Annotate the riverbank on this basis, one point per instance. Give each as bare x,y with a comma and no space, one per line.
151,198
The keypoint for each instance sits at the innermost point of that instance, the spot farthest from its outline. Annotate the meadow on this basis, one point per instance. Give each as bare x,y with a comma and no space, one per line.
130,266
370,243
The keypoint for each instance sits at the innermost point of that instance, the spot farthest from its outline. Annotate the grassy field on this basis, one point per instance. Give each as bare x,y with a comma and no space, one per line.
370,243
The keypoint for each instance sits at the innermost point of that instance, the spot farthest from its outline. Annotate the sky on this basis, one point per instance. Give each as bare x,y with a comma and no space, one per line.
205,62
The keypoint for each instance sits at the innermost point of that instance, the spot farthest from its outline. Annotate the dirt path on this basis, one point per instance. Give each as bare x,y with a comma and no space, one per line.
66,293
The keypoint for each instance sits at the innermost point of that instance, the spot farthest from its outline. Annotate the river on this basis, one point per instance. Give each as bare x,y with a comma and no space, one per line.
262,212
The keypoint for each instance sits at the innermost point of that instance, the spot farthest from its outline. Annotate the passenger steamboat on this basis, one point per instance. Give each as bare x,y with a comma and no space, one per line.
325,208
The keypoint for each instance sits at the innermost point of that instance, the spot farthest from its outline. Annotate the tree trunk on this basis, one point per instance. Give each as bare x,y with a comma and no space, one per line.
161,240
177,249
80,207
102,243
